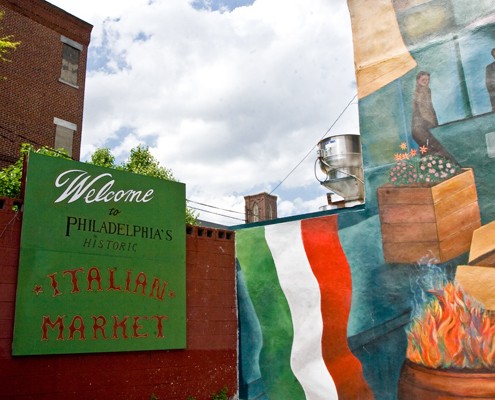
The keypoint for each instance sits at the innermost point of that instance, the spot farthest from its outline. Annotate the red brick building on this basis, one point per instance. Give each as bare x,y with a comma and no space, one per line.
260,207
42,97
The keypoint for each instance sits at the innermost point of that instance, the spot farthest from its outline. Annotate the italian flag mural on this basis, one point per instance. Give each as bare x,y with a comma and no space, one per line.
295,280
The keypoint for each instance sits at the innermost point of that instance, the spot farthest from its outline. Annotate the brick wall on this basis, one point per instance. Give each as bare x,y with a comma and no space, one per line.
208,364
32,95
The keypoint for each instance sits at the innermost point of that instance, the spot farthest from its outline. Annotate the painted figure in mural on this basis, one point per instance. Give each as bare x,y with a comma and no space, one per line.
490,80
424,118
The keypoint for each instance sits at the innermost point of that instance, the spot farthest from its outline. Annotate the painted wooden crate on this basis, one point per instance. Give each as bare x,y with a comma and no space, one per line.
428,221
483,246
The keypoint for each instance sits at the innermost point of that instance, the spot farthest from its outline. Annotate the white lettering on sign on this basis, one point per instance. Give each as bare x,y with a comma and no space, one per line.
79,184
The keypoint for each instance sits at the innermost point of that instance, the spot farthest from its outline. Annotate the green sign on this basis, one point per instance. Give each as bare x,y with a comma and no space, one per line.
102,261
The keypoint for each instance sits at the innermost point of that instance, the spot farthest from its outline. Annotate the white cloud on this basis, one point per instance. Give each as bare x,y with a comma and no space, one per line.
230,101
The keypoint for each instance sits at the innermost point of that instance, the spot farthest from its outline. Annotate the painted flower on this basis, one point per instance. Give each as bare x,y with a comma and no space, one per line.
428,169
413,168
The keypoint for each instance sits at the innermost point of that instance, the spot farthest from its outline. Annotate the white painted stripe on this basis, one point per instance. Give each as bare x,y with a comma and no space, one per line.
303,295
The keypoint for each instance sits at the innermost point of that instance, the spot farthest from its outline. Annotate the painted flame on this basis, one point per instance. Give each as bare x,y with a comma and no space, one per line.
452,331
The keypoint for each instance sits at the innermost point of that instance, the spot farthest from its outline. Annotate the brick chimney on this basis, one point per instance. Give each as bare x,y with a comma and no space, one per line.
260,207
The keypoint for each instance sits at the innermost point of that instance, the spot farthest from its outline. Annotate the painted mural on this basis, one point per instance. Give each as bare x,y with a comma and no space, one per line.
304,336
393,300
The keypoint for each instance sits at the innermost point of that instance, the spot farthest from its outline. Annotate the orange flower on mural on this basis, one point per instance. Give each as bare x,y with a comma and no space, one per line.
411,168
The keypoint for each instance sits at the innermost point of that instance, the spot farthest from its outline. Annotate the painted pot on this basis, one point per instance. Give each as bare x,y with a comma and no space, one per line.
418,382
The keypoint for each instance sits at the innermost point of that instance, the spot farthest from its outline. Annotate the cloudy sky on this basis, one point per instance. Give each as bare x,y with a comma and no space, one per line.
232,95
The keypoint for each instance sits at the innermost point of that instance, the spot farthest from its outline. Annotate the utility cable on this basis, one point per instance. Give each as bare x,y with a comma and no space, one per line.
212,212
218,208
276,187
30,141
312,148
224,209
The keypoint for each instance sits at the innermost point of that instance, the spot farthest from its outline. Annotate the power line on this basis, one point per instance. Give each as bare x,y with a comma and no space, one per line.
56,151
276,187
17,134
218,208
212,212
28,140
312,148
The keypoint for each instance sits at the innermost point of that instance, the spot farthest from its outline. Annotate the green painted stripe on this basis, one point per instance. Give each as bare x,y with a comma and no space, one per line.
273,313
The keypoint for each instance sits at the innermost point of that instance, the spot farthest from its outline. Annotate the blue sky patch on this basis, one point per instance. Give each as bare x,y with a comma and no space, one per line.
222,5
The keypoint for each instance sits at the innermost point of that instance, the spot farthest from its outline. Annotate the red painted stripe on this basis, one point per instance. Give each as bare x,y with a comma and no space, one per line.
331,269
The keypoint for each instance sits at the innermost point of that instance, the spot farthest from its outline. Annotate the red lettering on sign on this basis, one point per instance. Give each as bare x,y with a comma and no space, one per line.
54,284
128,281
140,281
156,285
47,322
136,327
99,323
72,273
94,275
159,326
119,324
111,272
77,325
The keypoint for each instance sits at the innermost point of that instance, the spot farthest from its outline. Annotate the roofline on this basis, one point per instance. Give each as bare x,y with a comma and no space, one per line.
48,15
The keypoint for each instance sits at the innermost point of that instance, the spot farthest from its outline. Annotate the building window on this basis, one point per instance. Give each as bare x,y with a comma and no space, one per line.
71,52
64,134
256,213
